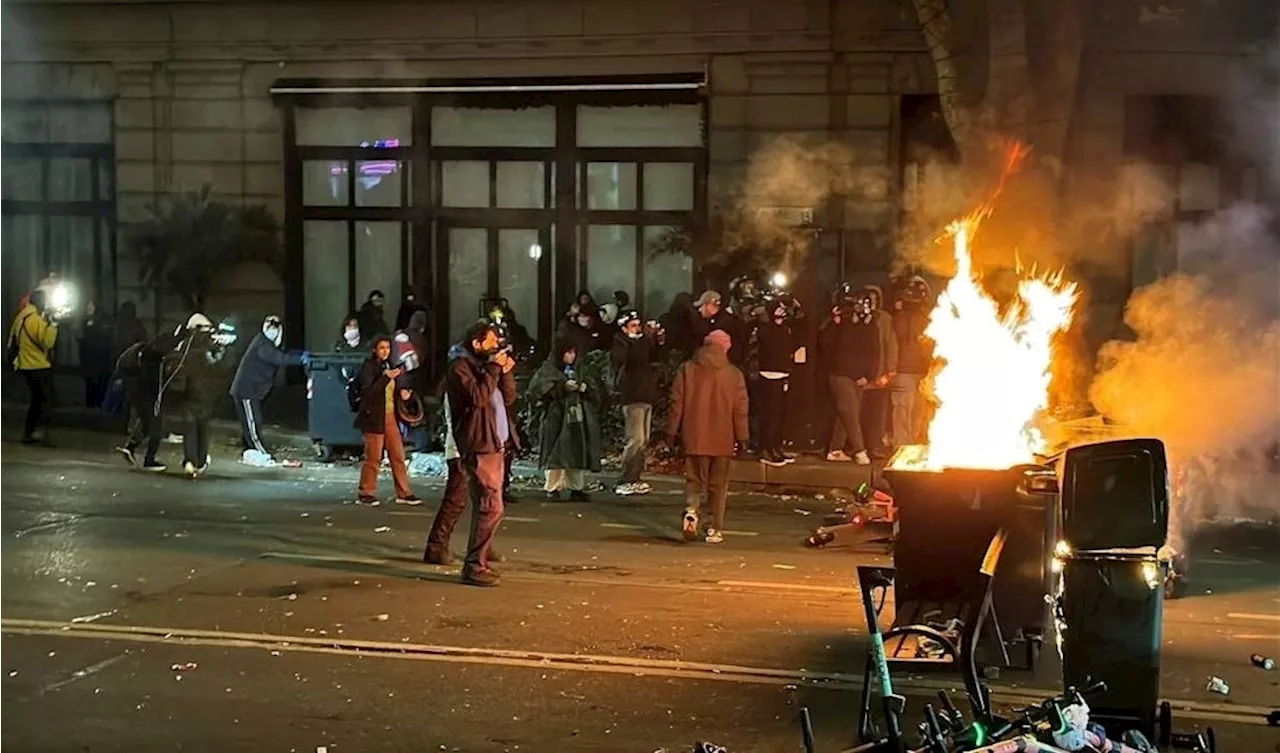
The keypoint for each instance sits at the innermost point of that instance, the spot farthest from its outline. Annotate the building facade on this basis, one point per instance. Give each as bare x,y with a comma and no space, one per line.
523,149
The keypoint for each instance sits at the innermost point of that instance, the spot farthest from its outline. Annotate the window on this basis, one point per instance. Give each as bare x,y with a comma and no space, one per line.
667,271
59,207
668,186
645,125
468,277
351,126
326,280
611,259
527,127
464,184
520,185
519,253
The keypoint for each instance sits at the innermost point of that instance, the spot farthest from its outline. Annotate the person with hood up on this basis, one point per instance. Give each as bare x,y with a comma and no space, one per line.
915,356
372,316
376,420
412,304
570,423
196,373
480,389
778,350
255,376
708,415
128,330
350,339
877,398
32,336
637,347
141,371
578,328
850,347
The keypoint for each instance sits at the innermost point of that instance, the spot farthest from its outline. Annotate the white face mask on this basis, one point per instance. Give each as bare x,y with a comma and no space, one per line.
352,336
274,334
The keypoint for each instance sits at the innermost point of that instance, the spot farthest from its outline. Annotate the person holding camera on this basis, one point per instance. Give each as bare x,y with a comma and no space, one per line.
570,443
850,347
480,388
32,336
376,420
637,348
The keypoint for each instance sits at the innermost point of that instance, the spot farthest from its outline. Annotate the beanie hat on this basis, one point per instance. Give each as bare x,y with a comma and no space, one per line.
720,339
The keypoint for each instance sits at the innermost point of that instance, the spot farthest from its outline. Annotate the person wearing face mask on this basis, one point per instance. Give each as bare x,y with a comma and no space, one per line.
255,376
778,349
372,316
196,373
376,420
637,347
850,348
350,340
875,418
570,443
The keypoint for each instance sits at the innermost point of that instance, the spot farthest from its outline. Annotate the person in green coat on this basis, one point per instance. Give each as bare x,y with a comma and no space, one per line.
570,432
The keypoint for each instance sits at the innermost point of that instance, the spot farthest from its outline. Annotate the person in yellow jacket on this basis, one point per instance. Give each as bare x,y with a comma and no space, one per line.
32,337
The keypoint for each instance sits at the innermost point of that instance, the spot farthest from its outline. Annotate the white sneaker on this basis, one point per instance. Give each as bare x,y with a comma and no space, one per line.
714,536
642,488
689,525
861,458
257,459
189,468
624,490
838,456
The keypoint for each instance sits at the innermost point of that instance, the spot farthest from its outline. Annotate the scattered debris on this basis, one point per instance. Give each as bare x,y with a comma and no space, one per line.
1262,662
382,529
1218,685
186,667
292,597
92,617
382,617
778,566
801,512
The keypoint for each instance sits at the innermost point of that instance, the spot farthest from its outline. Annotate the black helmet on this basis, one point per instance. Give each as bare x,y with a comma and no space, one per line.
845,293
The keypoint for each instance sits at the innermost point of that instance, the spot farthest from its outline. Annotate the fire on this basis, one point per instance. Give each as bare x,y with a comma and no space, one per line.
992,377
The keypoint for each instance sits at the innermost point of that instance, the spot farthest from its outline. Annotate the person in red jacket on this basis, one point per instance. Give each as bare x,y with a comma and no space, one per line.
708,416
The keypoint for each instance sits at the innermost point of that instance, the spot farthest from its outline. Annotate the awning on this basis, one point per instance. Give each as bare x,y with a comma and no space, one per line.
662,82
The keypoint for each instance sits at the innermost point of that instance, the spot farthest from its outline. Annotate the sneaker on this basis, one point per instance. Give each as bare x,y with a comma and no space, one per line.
861,458
154,466
553,496
625,490
126,452
482,578
368,499
409,500
838,456
787,459
689,525
577,495
643,488
714,536
433,557
189,468
772,459
203,468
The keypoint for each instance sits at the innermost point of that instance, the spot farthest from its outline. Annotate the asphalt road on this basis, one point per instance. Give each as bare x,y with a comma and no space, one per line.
312,623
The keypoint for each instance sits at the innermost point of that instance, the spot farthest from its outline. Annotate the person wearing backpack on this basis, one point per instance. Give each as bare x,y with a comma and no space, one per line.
31,338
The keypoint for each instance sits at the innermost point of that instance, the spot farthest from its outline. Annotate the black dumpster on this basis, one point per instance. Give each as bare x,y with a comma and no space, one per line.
946,520
330,421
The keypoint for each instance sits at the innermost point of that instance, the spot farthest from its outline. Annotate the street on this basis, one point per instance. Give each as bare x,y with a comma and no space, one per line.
258,609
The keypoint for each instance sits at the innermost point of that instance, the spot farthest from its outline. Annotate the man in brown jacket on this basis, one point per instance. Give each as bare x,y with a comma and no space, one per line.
708,414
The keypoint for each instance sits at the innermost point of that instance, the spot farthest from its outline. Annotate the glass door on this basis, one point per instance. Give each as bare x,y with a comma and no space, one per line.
481,263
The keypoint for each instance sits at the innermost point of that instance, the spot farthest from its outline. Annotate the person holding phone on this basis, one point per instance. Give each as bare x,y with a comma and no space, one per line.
376,419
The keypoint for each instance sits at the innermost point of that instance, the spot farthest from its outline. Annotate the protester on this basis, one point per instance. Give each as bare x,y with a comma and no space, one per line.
196,374
96,358
778,349
141,370
128,330
637,347
915,356
349,339
412,304
708,415
254,378
875,417
479,388
710,316
851,347
578,328
570,428
32,336
376,420
372,316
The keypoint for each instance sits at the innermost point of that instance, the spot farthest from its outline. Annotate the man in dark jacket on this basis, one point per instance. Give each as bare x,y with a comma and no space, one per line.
141,369
708,416
376,420
777,352
196,373
480,388
372,316
850,347
915,356
636,348
254,379
412,304
710,315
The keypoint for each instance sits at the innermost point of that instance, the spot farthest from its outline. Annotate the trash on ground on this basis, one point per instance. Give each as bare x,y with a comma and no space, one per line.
185,667
778,566
1262,662
382,529
1218,685
800,511
382,617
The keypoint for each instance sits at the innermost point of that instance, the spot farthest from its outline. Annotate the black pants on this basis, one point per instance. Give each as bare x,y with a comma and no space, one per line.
195,442
249,411
771,407
144,425
40,383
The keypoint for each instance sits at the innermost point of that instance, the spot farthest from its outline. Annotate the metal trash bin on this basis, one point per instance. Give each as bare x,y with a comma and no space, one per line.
330,422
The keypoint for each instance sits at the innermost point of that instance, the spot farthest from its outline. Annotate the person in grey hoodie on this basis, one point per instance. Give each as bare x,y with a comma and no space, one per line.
255,376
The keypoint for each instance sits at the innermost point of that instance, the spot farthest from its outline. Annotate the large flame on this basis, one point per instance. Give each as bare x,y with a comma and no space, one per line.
992,379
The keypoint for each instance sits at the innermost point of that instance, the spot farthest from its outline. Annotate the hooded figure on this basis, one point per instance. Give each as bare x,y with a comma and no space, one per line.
915,357
578,329
349,338
849,346
254,378
708,415
196,373
412,304
570,422
128,328
372,316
